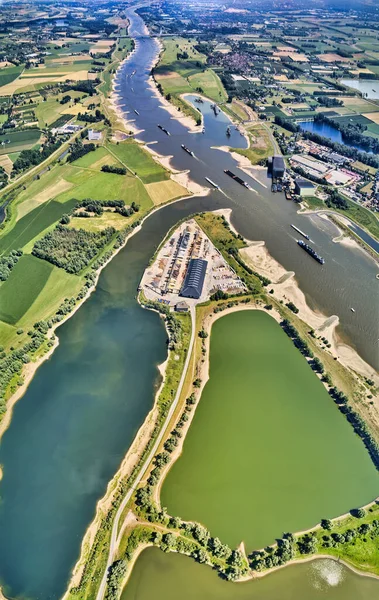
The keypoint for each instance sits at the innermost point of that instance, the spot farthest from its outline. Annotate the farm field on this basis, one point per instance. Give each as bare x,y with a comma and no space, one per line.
32,292
139,161
179,75
163,191
257,443
19,140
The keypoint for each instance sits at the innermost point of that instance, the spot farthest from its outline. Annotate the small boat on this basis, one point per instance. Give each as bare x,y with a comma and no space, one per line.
136,111
352,310
228,132
164,129
213,183
187,150
203,130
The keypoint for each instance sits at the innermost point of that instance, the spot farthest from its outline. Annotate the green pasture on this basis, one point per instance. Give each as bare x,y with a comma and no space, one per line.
19,140
32,224
22,287
103,186
9,74
139,161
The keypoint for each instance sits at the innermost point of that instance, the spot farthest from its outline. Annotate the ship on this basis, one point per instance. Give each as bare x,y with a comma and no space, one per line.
136,111
236,178
164,130
187,150
213,183
305,235
311,252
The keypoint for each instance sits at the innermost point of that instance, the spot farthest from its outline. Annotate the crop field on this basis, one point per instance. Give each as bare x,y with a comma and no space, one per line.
22,287
107,219
59,285
163,191
32,224
359,105
104,186
9,74
19,140
92,158
180,75
139,161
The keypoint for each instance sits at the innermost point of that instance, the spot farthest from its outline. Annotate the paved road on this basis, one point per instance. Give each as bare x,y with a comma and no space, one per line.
143,469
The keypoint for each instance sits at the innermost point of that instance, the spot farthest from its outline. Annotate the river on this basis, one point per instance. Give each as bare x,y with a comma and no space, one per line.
81,412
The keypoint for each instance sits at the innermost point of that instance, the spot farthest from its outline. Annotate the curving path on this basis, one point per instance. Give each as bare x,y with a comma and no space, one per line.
144,467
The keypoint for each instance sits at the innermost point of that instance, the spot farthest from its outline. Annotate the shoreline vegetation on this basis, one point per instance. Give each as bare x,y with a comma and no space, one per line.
145,521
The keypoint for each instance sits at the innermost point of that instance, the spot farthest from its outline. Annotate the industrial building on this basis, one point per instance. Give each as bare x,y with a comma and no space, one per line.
194,279
304,187
277,167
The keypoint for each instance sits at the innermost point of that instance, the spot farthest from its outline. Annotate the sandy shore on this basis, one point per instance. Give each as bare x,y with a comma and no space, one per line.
287,289
181,177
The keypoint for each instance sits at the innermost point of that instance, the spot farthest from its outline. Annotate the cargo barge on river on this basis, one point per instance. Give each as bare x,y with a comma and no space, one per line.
236,178
311,252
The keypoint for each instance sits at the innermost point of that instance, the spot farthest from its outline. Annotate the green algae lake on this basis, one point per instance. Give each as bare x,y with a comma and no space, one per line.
267,451
171,576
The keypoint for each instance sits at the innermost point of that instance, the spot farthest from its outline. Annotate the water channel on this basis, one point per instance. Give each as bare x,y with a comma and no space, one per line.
79,415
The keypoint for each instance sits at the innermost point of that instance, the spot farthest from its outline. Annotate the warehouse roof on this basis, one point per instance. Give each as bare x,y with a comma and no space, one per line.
303,183
194,280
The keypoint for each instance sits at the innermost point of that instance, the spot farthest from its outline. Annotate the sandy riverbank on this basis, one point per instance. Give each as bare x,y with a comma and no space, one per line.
181,177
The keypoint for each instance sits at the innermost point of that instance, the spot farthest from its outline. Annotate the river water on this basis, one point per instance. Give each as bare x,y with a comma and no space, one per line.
84,406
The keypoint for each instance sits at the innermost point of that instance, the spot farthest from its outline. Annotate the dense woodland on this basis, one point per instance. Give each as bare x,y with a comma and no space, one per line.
72,249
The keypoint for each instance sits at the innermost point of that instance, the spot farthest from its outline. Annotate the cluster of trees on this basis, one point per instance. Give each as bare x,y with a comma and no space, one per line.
72,249
329,101
78,149
292,307
335,200
33,157
309,543
7,262
97,207
113,169
96,118
11,363
3,176
65,99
